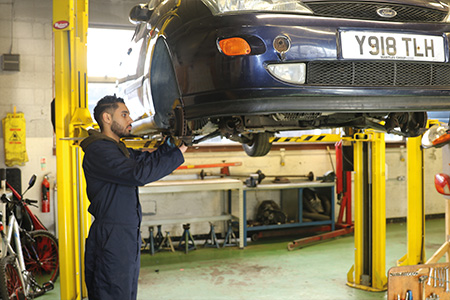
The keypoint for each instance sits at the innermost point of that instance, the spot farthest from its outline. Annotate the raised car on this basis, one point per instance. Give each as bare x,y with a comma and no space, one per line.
246,69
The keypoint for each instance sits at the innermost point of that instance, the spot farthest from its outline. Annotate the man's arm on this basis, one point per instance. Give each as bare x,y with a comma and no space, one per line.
105,161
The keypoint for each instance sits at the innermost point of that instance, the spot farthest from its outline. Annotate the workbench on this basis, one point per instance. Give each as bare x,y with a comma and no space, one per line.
290,190
184,186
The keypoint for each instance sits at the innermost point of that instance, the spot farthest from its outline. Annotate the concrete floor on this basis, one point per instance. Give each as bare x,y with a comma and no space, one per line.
266,270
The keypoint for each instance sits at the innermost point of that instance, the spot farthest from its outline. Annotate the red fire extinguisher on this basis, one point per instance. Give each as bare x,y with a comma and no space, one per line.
45,195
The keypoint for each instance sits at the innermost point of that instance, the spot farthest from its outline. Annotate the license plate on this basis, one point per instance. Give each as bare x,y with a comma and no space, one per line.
391,46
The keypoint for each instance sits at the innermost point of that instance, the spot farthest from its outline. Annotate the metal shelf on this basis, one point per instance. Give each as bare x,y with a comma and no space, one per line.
299,186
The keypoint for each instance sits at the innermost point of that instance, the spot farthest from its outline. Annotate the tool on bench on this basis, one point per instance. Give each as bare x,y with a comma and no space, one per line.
258,174
329,176
224,166
433,296
430,276
408,295
445,282
422,280
257,177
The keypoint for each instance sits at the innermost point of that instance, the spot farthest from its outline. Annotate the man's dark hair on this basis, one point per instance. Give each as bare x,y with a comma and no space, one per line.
106,104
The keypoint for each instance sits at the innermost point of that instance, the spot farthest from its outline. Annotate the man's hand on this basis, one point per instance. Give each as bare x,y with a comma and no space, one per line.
183,148
170,141
175,142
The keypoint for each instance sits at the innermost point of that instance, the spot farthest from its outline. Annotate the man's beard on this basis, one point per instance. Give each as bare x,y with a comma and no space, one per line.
119,130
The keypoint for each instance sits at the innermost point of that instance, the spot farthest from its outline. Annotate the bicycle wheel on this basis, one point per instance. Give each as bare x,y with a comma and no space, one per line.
11,286
41,256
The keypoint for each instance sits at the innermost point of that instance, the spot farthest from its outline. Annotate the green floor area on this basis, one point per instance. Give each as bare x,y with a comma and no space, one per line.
267,270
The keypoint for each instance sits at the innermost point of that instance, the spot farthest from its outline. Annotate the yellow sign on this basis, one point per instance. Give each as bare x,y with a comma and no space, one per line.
14,131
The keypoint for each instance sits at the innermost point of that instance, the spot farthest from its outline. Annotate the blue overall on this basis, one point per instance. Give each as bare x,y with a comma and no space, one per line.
113,173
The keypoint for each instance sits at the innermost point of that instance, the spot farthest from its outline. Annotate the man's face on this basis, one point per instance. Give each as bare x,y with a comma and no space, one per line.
121,121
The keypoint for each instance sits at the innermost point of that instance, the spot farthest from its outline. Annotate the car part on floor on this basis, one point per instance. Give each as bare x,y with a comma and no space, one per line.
270,213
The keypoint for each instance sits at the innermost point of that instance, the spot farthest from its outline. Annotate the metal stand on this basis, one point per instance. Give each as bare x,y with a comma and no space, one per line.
212,237
167,243
151,241
159,237
188,240
230,236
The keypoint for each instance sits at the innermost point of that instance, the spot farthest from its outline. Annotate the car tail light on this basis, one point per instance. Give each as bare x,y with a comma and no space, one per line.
234,46
441,182
292,73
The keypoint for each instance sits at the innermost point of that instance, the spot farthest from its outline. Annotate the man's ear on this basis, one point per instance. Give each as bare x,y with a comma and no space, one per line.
107,118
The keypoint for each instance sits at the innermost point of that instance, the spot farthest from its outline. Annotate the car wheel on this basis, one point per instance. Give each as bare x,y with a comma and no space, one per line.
165,93
411,124
259,144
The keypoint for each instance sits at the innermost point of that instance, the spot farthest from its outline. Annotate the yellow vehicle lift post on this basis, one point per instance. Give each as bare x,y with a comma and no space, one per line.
369,270
415,226
70,23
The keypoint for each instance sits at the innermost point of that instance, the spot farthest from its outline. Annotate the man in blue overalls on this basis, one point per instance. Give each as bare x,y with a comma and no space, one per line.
113,173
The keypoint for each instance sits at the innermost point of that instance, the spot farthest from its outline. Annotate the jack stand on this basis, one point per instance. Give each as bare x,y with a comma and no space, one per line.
167,243
158,237
187,239
230,236
151,241
212,236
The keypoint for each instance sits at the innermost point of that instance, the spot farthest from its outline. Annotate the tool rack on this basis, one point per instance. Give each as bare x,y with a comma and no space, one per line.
422,282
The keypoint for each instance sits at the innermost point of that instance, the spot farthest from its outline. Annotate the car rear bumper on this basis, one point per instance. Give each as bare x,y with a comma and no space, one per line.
268,101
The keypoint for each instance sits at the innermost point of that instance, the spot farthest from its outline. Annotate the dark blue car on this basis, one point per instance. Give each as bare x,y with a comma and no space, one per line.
245,69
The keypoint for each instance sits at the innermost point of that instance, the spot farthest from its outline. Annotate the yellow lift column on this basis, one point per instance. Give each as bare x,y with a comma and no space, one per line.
415,218
369,270
70,23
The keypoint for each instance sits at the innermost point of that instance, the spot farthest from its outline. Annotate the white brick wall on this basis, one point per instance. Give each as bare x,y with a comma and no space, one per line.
30,89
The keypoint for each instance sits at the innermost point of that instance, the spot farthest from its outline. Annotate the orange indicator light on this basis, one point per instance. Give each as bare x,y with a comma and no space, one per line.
235,46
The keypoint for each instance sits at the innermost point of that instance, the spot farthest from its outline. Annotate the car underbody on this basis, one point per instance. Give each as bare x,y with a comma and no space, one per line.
235,128
254,131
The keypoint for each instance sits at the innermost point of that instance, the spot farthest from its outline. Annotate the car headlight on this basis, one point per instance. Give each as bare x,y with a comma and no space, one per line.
445,4
234,6
289,72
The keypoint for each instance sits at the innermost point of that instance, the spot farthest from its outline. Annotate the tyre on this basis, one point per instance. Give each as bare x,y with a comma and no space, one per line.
11,286
259,144
41,256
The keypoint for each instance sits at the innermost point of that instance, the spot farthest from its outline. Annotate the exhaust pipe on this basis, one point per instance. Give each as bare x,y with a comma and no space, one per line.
145,126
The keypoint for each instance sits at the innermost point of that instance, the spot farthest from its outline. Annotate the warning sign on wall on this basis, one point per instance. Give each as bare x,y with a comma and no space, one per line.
14,129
